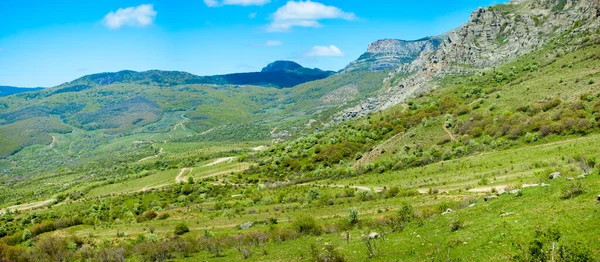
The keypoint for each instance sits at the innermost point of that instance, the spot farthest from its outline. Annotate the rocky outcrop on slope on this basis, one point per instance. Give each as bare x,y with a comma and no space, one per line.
491,37
390,53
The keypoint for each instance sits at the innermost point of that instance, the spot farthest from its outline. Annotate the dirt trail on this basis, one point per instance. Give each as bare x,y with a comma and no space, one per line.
259,148
363,188
53,142
180,177
185,119
23,207
154,156
448,132
376,152
220,160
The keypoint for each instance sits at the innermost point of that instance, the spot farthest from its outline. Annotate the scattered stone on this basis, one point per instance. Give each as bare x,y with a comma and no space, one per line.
545,185
507,214
448,211
472,205
554,175
246,225
501,191
486,198
512,192
372,235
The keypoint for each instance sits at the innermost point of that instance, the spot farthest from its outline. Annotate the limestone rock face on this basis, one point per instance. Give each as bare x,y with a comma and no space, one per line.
391,53
492,36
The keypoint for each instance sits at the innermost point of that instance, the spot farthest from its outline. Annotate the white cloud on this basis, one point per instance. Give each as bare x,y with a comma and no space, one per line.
252,15
305,14
216,3
211,3
139,16
273,43
325,51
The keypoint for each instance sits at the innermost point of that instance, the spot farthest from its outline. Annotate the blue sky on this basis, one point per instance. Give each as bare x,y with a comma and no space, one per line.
46,43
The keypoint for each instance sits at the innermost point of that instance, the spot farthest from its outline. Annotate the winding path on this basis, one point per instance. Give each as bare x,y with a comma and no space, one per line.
154,156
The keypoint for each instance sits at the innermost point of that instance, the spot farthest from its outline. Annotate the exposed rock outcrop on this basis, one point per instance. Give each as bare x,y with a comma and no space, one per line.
492,36
391,53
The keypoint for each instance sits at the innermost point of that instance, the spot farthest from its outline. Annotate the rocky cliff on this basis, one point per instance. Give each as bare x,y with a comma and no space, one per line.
491,37
391,53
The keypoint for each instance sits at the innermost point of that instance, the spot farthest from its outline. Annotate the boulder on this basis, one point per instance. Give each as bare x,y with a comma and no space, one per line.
246,225
554,175
372,235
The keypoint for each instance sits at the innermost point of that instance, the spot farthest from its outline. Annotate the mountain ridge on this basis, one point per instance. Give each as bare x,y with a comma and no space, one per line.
274,77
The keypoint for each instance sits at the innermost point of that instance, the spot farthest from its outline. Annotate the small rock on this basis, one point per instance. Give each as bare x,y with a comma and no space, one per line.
507,214
246,225
545,185
501,191
373,235
554,175
472,205
486,198
570,178
581,176
512,192
448,211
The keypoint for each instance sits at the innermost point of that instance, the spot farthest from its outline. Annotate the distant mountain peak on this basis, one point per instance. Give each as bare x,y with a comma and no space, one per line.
282,66
391,53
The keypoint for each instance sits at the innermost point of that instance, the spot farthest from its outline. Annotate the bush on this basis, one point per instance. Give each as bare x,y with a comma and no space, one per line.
181,229
392,192
575,252
456,224
573,189
353,216
329,254
26,235
305,224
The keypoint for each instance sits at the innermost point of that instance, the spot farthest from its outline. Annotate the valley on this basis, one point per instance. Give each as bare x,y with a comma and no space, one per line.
480,144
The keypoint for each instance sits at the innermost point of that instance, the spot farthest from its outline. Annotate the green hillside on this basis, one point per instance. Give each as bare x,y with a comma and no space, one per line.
477,163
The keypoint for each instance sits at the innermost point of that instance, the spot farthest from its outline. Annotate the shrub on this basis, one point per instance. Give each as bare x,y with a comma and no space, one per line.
392,192
329,254
26,235
181,229
353,216
573,189
578,251
456,224
305,224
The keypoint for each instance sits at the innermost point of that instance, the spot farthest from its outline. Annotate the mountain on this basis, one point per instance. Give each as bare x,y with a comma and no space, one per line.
11,90
492,36
280,74
391,53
